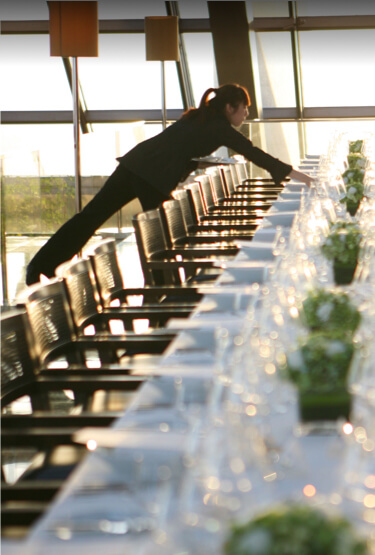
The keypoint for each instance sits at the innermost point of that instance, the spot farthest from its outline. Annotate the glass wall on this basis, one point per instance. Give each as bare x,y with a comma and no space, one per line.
338,67
194,9
200,53
116,9
275,63
32,79
335,8
41,164
267,9
319,133
23,10
121,78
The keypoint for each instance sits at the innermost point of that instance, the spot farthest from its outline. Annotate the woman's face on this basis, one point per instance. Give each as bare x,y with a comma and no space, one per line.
236,115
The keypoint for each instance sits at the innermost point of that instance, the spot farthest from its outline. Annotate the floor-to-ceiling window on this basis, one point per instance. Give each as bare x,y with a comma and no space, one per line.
313,62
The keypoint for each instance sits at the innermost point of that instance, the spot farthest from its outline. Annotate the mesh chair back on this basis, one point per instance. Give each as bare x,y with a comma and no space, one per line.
107,270
218,186
150,240
51,319
243,175
174,225
196,198
85,301
149,230
17,357
187,208
228,179
207,192
241,171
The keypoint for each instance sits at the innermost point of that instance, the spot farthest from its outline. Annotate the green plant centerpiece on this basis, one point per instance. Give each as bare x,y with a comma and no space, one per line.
356,160
355,146
319,368
295,530
353,196
327,310
320,362
342,246
353,175
353,180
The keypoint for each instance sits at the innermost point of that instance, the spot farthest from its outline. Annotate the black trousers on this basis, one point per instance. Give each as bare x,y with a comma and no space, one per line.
120,188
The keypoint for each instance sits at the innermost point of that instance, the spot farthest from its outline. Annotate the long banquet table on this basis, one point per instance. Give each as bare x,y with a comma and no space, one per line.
197,449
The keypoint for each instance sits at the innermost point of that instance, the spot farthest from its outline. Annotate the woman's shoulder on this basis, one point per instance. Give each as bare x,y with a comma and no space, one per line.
214,123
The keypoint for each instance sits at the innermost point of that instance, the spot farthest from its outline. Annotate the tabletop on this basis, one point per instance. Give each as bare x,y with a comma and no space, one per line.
201,446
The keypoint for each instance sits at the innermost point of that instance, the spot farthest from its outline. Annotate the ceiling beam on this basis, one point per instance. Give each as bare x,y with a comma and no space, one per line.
41,27
312,23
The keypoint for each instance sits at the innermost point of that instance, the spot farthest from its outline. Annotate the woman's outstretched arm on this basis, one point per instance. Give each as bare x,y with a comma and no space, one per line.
295,174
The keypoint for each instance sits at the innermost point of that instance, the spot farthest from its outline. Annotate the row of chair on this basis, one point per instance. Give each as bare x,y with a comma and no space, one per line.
59,346
203,222
71,379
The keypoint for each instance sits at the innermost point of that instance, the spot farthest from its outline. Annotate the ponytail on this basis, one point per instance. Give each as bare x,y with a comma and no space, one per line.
225,94
204,100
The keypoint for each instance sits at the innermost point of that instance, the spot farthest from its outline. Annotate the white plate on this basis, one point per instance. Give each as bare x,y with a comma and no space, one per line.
284,206
258,251
283,219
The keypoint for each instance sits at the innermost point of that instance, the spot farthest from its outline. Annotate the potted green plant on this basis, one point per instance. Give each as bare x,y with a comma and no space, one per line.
356,160
342,246
353,196
295,529
319,368
356,146
353,175
323,309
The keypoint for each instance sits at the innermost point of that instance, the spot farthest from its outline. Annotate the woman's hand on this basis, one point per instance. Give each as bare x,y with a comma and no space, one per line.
294,174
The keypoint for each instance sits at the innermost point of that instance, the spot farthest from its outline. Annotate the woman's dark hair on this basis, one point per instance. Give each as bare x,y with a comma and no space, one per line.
225,94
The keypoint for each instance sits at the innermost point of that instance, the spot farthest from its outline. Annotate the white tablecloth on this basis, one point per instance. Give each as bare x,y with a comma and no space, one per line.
155,436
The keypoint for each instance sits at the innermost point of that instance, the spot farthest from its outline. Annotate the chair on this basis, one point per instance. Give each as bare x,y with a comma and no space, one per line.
237,221
56,337
110,283
41,438
218,203
88,308
22,504
257,198
257,190
160,264
23,373
187,242
242,180
209,228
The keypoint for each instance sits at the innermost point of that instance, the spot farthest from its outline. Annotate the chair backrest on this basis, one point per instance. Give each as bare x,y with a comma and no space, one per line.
51,319
187,208
243,174
80,281
207,192
173,221
18,363
150,240
196,198
231,182
107,270
241,171
218,186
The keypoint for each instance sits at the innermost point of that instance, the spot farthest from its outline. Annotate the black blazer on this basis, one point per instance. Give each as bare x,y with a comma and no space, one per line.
164,160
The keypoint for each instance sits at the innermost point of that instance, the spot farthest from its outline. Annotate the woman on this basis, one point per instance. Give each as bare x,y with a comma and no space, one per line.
152,169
